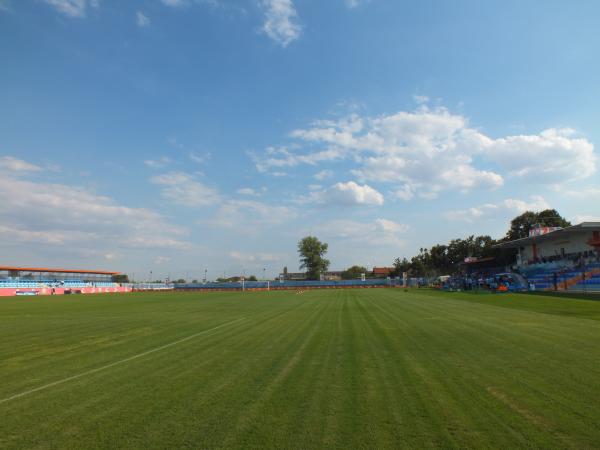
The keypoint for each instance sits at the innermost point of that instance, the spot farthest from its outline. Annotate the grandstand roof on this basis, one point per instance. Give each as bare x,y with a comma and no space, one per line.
562,233
48,270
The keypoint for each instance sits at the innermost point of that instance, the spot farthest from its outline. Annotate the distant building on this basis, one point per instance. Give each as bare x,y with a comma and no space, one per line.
292,276
332,276
382,272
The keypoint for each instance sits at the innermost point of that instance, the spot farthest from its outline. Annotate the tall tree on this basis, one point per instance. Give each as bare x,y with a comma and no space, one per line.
312,257
401,266
520,225
353,272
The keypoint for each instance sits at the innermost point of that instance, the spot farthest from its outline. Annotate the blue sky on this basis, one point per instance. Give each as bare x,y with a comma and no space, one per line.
184,135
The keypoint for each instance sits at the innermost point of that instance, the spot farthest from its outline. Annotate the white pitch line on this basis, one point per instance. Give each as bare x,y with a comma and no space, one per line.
122,361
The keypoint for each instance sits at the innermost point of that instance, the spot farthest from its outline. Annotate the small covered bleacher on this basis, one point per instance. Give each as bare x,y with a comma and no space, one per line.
48,281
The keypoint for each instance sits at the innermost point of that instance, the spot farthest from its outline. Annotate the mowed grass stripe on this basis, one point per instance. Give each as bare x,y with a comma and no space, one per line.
106,340
335,369
456,408
116,363
127,382
514,380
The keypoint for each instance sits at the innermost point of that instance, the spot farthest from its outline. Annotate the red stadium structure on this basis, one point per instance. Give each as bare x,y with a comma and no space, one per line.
47,281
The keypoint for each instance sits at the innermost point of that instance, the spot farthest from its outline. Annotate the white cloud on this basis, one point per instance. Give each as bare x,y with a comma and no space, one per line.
347,194
158,163
4,5
53,237
592,194
497,210
355,3
323,175
246,191
380,232
281,21
428,151
199,158
58,214
73,8
254,257
12,164
555,155
389,226
230,6
161,259
250,216
278,157
405,192
184,189
175,3
252,192
421,99
142,19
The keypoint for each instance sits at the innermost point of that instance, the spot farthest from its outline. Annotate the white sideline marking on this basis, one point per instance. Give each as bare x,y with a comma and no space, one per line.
108,366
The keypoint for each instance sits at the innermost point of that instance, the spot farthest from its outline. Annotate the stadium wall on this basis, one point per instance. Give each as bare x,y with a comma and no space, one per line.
11,292
288,285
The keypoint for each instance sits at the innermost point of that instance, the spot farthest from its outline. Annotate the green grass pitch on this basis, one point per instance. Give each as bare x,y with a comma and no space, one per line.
356,368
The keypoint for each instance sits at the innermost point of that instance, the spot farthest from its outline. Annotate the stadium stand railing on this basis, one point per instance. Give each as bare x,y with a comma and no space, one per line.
568,277
149,286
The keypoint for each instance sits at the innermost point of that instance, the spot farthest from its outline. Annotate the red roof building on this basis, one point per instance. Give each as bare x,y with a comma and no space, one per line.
382,271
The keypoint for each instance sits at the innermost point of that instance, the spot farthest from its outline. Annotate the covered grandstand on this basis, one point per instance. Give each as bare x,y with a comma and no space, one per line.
48,281
561,259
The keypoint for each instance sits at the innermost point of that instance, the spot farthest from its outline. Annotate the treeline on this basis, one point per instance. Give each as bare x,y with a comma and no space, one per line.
444,259
236,279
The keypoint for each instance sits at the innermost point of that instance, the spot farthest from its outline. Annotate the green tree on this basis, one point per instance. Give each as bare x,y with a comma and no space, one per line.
312,257
551,218
353,272
401,266
520,225
251,278
229,280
